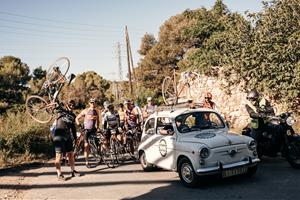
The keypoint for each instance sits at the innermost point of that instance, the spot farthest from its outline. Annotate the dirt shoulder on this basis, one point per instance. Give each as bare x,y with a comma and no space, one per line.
13,177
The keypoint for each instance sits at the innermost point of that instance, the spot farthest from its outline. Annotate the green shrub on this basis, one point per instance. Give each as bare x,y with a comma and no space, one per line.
19,134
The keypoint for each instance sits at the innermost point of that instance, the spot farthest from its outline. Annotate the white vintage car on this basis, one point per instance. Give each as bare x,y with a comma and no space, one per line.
195,142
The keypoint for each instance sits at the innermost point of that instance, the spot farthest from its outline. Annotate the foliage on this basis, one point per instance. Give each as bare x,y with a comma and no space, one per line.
85,86
148,41
261,51
19,134
14,75
273,62
37,80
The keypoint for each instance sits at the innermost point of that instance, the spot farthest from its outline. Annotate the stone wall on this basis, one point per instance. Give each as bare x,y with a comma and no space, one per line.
230,105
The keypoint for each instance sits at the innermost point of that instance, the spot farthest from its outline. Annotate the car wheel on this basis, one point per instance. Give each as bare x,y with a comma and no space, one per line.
293,154
251,171
187,173
145,165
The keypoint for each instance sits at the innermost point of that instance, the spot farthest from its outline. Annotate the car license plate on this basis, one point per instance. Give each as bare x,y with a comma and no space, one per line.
234,172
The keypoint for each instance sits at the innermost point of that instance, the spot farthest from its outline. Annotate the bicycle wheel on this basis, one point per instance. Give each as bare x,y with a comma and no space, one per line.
39,109
129,147
108,157
78,147
121,153
169,91
58,70
94,150
115,147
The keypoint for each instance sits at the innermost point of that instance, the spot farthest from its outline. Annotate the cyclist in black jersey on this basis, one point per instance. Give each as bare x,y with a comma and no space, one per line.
64,135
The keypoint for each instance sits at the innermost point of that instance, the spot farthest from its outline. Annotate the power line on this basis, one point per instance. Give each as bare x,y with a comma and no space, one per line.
46,31
53,26
39,35
60,21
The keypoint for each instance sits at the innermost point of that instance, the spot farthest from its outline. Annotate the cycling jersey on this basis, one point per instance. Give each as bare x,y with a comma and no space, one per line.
131,116
150,109
65,125
111,119
90,118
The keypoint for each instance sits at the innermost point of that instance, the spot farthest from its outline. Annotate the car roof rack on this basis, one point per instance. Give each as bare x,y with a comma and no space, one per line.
172,108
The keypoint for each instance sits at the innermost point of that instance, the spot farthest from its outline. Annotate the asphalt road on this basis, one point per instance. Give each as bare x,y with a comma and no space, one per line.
275,179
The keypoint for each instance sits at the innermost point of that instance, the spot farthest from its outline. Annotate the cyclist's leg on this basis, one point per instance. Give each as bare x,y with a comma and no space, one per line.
59,148
70,153
86,146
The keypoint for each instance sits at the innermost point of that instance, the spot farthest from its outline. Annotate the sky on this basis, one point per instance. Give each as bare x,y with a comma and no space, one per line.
87,31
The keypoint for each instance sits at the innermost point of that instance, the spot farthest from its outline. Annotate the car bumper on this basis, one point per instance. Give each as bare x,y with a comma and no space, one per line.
221,167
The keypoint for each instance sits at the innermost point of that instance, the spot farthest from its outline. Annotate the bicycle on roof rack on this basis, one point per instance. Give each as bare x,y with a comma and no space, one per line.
171,90
40,109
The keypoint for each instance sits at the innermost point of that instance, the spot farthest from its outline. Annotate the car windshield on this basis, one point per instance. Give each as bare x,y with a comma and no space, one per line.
198,121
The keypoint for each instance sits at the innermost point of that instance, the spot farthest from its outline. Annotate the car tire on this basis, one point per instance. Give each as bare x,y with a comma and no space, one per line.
144,163
251,171
187,173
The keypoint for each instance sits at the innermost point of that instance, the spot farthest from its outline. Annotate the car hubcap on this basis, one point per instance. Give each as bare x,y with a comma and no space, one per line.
144,161
187,173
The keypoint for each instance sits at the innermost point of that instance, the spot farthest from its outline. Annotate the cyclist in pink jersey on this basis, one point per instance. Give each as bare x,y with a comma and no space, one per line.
91,123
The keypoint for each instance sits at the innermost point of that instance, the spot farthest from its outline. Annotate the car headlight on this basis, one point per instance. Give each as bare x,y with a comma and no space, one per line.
252,145
204,153
290,121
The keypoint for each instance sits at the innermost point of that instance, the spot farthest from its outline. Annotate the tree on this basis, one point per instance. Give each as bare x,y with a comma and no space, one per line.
37,80
272,62
148,41
14,75
85,86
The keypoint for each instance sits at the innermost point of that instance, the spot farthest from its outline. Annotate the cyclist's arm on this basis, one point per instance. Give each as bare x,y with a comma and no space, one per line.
136,112
82,114
105,124
118,120
73,131
97,120
126,121
145,114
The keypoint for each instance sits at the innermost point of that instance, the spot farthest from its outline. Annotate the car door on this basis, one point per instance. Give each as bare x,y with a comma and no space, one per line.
164,144
147,138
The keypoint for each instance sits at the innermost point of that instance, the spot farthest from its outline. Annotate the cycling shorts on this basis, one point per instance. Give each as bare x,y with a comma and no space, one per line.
63,143
88,133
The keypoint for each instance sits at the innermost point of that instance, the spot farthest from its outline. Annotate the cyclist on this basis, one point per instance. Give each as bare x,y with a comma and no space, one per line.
208,103
132,119
149,108
111,119
64,131
91,123
121,110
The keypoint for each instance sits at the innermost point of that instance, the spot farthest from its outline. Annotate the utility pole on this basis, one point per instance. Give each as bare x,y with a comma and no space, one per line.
119,61
128,61
118,82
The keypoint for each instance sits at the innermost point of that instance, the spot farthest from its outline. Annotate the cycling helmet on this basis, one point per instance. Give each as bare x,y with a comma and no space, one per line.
128,101
92,100
253,95
149,99
107,104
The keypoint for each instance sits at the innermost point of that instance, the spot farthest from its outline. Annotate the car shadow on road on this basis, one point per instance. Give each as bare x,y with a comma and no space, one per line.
274,179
